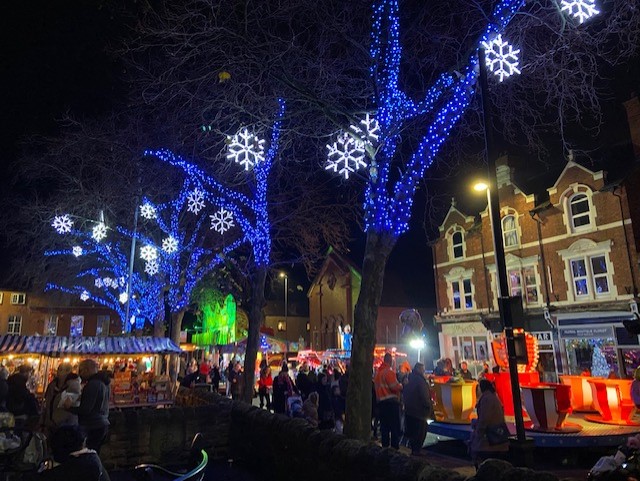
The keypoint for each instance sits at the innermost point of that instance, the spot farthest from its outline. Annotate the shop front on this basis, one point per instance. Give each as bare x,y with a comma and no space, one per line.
466,341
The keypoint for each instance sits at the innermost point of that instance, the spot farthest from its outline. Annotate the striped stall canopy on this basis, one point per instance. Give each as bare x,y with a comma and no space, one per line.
57,346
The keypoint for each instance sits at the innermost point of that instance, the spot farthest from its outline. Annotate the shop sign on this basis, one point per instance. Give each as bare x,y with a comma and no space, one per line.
543,337
464,329
587,332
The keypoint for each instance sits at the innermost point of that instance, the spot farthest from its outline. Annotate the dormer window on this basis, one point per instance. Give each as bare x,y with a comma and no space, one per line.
457,245
510,231
579,211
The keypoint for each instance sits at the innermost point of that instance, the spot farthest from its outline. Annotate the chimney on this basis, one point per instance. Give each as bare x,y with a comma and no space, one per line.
504,173
632,106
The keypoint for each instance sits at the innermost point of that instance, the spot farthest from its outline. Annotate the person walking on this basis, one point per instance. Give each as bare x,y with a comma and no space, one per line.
488,437
282,389
388,391
265,383
93,412
236,379
417,408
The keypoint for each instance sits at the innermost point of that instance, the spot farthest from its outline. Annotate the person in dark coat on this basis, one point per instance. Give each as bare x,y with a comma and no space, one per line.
93,412
282,389
490,413
20,401
417,408
303,383
215,377
75,461
4,388
326,416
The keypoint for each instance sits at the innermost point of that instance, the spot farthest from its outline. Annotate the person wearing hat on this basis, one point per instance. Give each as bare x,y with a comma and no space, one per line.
417,408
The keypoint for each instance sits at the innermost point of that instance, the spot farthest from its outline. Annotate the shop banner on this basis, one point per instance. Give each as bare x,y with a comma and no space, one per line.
587,332
464,329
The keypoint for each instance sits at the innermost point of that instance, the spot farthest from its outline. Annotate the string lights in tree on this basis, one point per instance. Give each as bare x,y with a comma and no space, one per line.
148,253
170,245
77,251
151,267
345,155
148,211
582,10
99,231
222,221
62,224
502,59
85,296
246,149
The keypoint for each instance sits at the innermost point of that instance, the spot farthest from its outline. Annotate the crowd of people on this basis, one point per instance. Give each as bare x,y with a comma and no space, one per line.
73,421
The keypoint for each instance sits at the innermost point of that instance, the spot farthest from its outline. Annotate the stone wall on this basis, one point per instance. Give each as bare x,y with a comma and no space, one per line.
275,445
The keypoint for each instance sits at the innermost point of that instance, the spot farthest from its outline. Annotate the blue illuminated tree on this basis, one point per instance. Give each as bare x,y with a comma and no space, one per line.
249,207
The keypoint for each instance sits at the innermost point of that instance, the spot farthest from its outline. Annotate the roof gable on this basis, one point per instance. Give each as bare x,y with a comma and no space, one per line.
571,164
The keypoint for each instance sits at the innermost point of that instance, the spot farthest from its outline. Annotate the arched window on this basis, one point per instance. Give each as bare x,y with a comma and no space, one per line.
457,245
579,211
510,231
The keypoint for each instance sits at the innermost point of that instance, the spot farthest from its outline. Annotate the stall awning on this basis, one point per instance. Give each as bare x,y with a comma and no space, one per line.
58,346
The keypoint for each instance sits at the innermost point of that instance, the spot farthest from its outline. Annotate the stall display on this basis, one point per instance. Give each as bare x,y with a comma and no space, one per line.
612,400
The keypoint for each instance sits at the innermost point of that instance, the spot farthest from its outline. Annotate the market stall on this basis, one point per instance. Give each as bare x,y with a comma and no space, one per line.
135,362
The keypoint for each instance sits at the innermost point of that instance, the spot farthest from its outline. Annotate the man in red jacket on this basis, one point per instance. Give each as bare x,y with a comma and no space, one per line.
388,391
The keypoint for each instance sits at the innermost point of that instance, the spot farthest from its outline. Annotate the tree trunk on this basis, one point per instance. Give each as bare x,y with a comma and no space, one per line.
158,328
176,325
253,332
358,411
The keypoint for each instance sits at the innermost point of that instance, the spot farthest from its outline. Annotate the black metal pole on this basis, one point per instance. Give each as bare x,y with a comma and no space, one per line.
496,228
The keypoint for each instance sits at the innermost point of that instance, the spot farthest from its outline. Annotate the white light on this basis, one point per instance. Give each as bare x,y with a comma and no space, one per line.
77,251
99,232
170,245
122,281
195,201
84,296
98,283
148,211
222,221
246,149
62,224
501,58
417,343
132,320
345,155
107,282
151,267
148,253
368,129
123,297
580,9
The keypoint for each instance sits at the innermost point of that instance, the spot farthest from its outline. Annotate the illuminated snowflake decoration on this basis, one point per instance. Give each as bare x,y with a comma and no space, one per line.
151,267
98,283
84,296
581,9
62,224
345,155
195,201
122,281
99,232
170,245
368,130
246,149
148,253
123,297
148,211
222,221
77,251
106,282
502,59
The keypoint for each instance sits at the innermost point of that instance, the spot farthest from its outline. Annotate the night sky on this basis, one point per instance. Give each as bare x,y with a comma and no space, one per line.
54,61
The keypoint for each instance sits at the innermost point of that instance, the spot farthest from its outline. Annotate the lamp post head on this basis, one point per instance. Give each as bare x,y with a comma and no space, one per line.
480,186
417,343
282,275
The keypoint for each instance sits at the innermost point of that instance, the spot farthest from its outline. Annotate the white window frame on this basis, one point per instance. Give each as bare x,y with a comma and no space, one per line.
570,202
14,319
458,276
18,298
513,231
48,322
568,197
515,263
586,250
451,246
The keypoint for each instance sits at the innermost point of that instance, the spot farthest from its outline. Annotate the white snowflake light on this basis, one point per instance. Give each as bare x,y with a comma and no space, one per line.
106,282
123,297
345,155
151,267
99,232
84,296
148,211
195,201
368,129
98,283
246,149
77,251
62,224
222,221
148,253
170,245
580,9
122,281
501,58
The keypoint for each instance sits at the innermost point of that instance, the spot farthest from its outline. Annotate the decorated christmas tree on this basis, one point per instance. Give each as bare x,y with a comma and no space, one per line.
599,366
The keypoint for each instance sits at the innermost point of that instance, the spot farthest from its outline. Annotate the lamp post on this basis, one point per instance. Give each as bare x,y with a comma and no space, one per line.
286,296
504,304
418,344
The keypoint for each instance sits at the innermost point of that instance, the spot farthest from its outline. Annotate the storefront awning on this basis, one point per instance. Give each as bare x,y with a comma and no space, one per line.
59,346
592,317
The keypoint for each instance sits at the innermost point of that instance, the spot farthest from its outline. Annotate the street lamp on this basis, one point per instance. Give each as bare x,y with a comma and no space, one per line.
418,344
284,276
493,201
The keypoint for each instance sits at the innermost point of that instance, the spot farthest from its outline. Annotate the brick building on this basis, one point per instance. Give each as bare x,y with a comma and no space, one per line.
571,251
29,314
